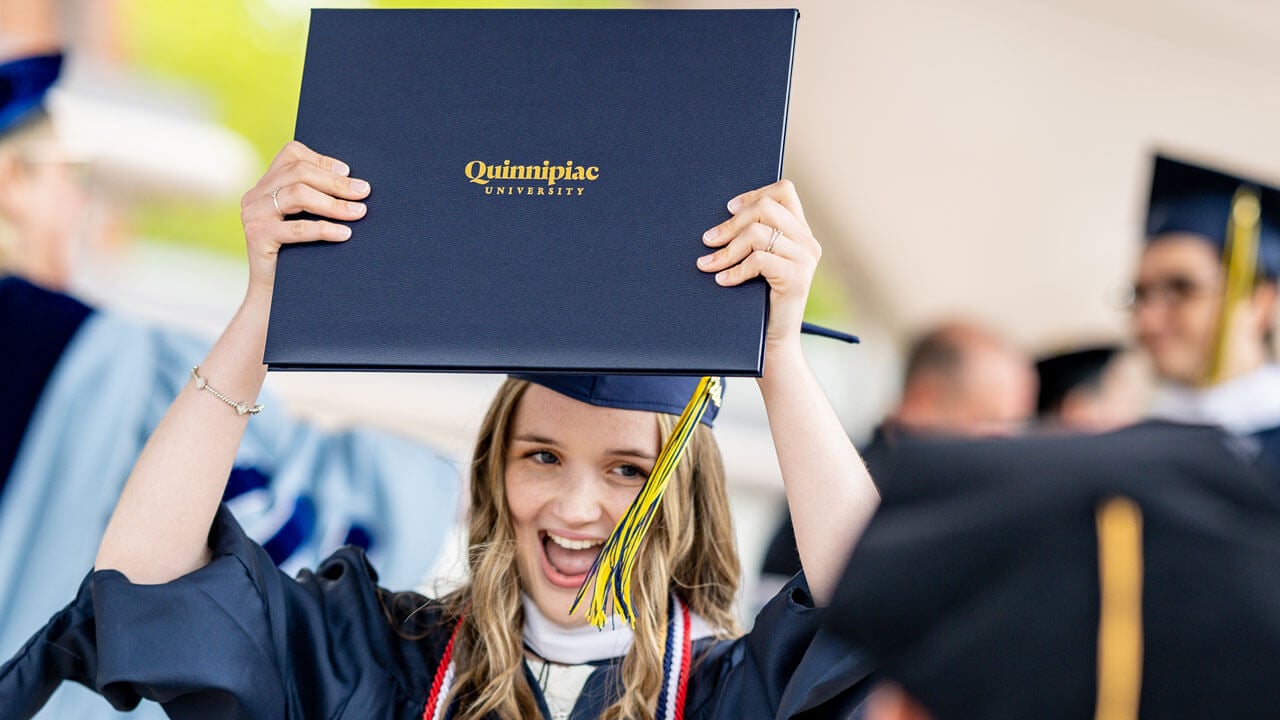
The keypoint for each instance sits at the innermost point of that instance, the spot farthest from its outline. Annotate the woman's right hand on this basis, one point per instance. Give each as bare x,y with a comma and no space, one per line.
298,180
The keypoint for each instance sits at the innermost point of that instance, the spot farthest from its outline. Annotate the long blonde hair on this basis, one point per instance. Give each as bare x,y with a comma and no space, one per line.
689,550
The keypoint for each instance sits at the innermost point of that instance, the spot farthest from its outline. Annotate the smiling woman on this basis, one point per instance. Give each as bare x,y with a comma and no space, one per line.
561,466
555,469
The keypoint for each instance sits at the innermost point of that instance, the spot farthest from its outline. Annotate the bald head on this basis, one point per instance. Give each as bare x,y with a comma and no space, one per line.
964,379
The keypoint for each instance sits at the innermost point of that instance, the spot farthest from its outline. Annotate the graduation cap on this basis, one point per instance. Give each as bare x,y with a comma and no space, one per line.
627,392
23,85
1238,216
1063,373
1189,198
1133,574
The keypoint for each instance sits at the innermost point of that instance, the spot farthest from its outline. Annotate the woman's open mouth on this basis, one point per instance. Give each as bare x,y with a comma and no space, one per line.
565,560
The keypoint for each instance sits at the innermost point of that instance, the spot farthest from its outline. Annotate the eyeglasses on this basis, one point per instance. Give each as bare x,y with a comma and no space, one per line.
1170,291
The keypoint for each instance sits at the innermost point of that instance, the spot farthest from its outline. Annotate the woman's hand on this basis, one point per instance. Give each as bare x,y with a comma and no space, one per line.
750,248
298,180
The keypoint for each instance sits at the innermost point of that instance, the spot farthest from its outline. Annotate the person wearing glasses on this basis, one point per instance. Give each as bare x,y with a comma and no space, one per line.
1204,302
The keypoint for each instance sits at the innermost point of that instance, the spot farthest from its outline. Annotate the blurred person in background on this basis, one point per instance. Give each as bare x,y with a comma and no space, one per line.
962,380
43,202
1090,389
1122,576
1204,302
84,388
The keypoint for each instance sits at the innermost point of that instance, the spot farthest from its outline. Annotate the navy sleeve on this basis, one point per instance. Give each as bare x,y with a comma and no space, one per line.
788,666
62,650
239,639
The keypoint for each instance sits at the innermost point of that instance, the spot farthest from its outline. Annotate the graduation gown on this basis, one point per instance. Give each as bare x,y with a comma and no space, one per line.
979,581
1269,451
240,639
98,383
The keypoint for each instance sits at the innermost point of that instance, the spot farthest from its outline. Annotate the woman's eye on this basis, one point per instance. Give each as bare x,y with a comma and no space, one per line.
544,457
630,471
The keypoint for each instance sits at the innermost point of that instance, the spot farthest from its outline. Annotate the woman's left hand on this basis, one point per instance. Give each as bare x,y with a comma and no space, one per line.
768,237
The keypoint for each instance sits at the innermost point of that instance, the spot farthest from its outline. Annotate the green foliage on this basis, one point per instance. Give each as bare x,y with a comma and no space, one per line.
246,60
245,57
829,300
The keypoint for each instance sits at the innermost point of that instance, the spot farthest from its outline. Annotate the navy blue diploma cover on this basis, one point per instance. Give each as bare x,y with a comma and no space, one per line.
541,182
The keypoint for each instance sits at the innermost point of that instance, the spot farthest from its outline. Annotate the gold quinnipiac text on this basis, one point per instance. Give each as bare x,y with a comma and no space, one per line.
546,180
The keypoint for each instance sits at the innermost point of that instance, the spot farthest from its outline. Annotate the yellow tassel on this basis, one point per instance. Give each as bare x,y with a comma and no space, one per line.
1241,259
1120,570
609,580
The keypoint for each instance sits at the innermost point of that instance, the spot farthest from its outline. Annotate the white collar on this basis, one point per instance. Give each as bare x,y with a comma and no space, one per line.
1242,406
584,643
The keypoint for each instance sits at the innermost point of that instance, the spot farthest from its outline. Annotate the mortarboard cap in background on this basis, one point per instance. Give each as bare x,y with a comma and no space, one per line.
1238,216
23,85
1129,575
1189,198
1063,373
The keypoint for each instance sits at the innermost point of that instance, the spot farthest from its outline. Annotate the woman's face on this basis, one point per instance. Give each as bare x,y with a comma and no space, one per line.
572,471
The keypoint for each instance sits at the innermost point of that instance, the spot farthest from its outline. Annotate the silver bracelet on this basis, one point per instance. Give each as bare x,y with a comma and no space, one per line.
241,407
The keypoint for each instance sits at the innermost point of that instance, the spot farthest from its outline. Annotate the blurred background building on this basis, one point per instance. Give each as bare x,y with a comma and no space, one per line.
987,159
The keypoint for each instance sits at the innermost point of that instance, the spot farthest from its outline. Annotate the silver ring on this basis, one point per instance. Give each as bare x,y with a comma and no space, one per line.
773,240
276,202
